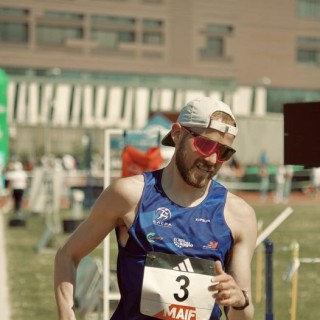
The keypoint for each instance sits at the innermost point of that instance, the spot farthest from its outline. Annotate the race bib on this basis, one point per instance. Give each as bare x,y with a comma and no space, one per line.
176,287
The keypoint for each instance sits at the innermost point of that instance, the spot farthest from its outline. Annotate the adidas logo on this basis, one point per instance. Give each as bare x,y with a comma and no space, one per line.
185,265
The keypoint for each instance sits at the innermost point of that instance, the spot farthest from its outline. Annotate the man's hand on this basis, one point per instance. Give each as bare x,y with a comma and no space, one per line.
225,290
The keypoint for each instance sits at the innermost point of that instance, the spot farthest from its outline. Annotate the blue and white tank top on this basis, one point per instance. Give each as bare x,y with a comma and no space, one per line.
164,226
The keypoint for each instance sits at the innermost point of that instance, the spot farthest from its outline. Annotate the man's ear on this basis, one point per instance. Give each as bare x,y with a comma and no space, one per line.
176,132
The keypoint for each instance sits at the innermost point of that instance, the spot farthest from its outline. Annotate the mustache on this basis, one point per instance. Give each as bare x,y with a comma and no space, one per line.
205,166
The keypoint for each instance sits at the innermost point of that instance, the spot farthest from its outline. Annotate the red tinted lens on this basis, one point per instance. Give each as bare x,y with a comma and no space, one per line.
205,146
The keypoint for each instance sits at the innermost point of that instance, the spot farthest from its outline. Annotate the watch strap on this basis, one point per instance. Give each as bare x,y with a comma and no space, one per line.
247,302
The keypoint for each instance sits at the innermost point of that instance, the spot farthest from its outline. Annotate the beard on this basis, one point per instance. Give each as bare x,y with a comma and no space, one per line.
198,174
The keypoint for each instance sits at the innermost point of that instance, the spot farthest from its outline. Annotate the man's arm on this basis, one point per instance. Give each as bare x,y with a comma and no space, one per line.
116,205
234,286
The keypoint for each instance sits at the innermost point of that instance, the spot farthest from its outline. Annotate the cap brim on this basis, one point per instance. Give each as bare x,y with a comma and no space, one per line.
167,140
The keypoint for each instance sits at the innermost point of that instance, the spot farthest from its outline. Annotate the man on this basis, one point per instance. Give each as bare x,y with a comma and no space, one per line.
178,212
17,180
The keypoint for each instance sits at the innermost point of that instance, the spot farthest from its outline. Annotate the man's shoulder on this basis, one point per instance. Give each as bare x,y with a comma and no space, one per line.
236,200
238,207
240,217
128,187
121,196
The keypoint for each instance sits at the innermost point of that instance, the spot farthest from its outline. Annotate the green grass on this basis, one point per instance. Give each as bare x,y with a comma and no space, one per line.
31,273
302,226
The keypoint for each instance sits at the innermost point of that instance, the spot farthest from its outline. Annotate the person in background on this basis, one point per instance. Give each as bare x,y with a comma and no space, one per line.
315,181
17,180
264,175
288,183
263,158
7,168
173,216
283,181
280,180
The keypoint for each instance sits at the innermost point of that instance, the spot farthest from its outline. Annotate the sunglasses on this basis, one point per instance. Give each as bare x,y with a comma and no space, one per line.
207,147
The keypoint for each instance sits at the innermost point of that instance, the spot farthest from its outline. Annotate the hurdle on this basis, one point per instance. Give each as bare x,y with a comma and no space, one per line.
109,133
293,275
263,237
294,289
107,295
274,225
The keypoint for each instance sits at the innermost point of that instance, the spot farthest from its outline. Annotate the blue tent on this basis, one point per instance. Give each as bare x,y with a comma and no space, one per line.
146,137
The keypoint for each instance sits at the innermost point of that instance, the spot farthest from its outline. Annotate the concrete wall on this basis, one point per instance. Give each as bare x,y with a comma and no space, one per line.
258,134
255,134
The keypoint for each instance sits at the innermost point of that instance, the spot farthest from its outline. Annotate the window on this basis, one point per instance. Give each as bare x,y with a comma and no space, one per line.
13,12
13,25
57,35
113,32
111,39
308,8
112,21
62,16
148,23
214,47
276,97
55,27
152,31
308,50
308,56
218,28
215,41
13,32
152,38
110,31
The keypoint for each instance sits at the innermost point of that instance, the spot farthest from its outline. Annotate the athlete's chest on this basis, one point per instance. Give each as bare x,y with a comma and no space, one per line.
183,231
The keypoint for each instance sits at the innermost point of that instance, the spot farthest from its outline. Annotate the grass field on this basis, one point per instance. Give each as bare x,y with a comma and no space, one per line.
31,284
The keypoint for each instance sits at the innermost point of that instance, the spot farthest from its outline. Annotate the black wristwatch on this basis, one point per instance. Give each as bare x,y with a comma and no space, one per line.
247,302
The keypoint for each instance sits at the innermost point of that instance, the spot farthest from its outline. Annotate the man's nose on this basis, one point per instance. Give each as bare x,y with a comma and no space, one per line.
212,159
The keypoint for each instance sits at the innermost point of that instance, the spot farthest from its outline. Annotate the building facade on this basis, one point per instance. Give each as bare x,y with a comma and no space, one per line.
88,65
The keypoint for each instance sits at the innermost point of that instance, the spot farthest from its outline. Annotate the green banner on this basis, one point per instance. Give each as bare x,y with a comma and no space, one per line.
3,119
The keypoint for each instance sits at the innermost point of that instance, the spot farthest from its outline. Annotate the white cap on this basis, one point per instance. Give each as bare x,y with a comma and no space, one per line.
197,113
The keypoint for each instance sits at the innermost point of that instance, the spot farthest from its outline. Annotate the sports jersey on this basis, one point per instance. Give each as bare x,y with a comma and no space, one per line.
163,226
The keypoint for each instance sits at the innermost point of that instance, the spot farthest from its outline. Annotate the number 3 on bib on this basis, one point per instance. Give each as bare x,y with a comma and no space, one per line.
176,287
